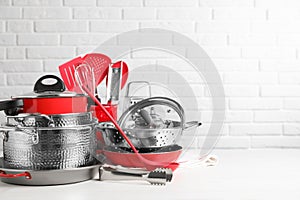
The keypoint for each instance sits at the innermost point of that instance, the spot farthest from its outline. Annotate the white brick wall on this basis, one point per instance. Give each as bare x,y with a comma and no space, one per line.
253,43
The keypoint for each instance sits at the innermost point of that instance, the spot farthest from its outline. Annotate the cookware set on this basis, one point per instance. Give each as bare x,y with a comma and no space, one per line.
57,136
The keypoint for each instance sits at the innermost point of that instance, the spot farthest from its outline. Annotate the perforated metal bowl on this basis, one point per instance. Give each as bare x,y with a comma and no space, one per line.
150,131
155,139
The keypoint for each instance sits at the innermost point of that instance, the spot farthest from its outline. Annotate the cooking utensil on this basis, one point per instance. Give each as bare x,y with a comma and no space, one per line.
113,85
158,176
67,71
137,171
84,85
124,68
51,99
99,63
48,177
86,76
113,89
43,148
40,120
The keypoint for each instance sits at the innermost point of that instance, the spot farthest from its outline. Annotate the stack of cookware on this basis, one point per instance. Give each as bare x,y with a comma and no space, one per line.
49,132
154,126
54,136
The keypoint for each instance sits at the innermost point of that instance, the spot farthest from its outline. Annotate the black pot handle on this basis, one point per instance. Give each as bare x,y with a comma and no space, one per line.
39,87
11,106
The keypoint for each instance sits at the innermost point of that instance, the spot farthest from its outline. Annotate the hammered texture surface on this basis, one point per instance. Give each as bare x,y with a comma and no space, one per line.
56,149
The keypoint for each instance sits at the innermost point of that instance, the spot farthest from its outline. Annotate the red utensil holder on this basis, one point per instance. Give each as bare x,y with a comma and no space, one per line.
101,116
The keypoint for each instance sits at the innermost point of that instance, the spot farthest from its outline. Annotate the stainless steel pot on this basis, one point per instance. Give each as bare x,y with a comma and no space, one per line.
45,148
41,120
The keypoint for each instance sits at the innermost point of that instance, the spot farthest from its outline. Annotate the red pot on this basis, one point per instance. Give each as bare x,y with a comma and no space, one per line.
52,99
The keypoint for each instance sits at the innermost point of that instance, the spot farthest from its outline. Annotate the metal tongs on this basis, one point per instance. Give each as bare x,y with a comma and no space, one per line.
158,176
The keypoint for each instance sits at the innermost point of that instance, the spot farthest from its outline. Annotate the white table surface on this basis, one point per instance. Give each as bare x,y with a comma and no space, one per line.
240,174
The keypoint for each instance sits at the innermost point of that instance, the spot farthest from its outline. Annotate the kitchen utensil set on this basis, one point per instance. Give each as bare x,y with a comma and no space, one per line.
98,62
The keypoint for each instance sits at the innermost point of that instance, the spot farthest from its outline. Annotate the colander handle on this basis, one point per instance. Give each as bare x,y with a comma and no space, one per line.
191,124
3,174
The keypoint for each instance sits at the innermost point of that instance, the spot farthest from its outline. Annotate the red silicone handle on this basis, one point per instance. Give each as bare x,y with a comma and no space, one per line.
3,174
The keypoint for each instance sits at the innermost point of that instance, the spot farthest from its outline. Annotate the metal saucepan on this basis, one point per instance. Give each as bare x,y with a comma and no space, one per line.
41,120
48,177
44,148
49,99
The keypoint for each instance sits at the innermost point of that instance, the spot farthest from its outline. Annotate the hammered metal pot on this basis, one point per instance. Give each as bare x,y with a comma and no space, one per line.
36,148
41,120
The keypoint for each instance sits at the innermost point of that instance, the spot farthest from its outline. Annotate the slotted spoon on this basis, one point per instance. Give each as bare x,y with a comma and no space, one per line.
67,71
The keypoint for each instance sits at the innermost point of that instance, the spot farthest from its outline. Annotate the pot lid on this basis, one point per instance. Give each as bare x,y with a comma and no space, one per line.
152,113
52,90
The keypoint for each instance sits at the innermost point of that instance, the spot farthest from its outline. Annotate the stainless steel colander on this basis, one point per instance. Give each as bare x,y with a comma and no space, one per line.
150,123
156,138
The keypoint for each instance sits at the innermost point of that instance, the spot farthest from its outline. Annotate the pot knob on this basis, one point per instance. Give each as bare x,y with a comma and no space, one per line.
41,87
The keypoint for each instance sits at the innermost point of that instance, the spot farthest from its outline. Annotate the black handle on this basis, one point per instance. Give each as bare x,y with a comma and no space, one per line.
59,86
11,106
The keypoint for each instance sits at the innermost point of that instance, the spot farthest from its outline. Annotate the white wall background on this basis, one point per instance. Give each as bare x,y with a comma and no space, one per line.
253,43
